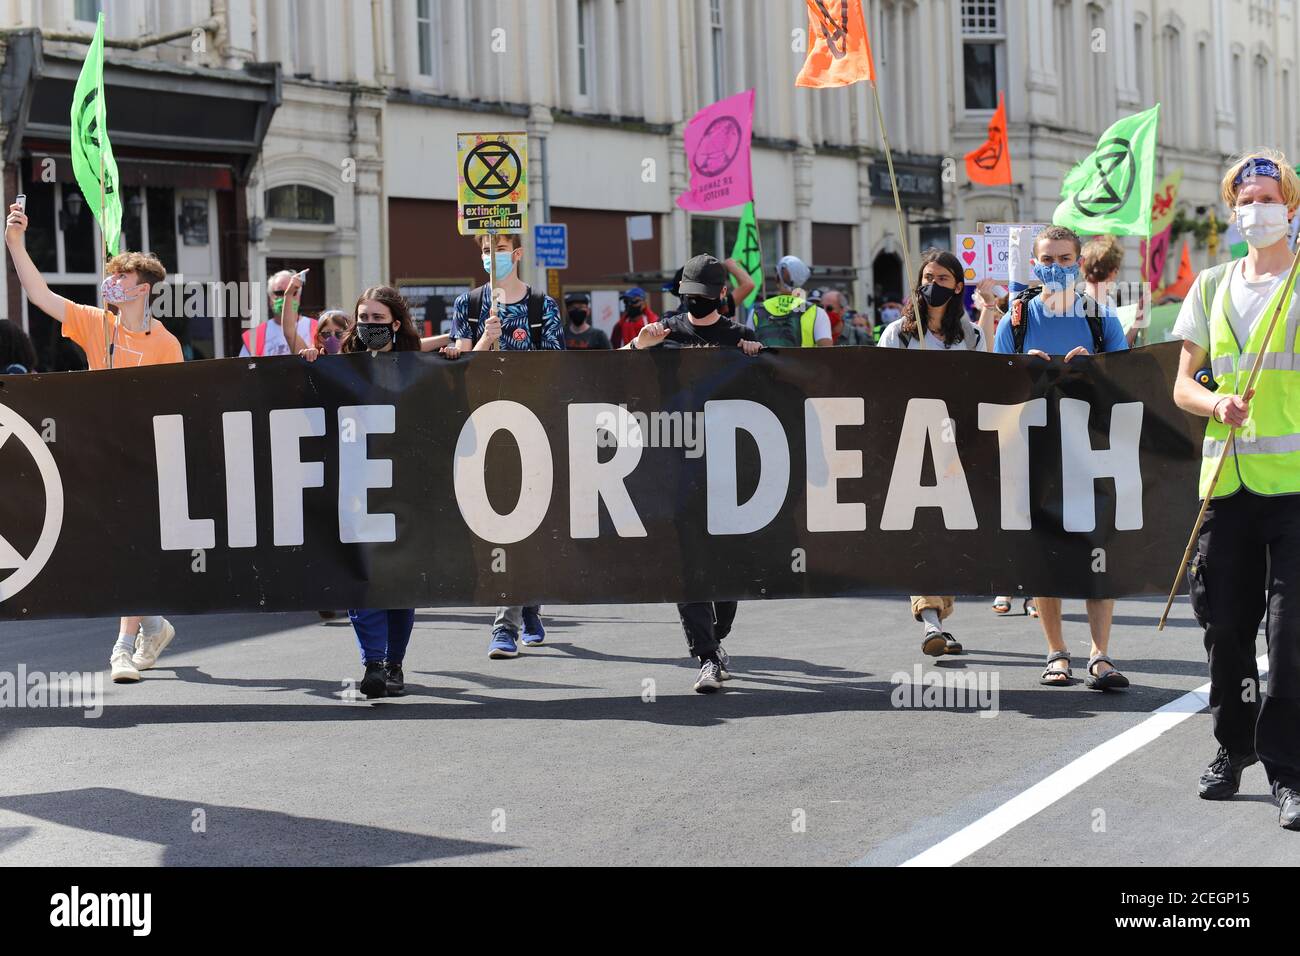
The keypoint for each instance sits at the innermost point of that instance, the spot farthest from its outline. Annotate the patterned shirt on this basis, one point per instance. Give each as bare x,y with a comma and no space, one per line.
515,334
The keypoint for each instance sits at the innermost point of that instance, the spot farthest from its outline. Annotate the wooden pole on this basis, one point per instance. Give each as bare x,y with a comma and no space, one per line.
1284,303
922,323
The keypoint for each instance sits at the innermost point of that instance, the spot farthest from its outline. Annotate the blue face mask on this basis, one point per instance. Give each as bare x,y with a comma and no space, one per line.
1057,277
505,264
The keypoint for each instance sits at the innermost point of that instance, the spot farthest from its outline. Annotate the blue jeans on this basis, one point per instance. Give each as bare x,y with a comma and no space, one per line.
383,635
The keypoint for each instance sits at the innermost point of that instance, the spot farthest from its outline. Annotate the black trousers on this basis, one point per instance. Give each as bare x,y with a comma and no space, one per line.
706,623
1247,566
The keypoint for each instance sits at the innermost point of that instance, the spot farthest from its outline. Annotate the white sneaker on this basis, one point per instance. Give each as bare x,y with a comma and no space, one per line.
149,649
709,680
123,671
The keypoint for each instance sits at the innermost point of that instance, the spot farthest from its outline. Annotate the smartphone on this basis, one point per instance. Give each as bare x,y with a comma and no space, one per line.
21,201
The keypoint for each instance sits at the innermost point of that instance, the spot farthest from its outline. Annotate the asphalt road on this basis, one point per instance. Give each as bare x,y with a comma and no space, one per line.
239,749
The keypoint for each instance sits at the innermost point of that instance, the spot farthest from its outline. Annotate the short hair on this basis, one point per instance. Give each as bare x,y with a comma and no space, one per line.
1289,183
1059,232
1102,256
516,240
144,264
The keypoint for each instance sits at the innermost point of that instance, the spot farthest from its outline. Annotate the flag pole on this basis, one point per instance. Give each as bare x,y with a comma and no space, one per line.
1283,305
898,205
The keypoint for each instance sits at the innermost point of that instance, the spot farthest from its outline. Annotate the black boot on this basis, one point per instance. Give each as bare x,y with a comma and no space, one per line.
394,681
373,684
1288,804
1222,778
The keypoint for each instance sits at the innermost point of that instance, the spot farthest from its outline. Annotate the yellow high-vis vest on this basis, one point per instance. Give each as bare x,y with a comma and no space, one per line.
1265,453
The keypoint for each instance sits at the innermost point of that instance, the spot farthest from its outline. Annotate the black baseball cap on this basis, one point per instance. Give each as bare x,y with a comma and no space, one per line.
577,298
703,275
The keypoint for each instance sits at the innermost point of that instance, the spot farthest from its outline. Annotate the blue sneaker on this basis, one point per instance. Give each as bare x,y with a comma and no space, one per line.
503,645
534,633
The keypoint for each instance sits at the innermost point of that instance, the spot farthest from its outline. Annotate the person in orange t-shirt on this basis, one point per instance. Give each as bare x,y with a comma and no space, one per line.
128,339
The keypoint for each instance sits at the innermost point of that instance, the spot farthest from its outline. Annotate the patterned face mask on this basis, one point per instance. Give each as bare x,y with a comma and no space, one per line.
113,293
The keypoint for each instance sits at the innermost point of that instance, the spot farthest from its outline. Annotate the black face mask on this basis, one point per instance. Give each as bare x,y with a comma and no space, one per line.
937,295
635,308
374,335
699,306
578,316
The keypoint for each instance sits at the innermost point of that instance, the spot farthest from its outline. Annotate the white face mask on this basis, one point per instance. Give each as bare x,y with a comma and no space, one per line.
1262,223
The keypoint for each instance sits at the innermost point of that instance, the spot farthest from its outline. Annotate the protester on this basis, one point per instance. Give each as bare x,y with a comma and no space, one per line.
526,320
129,339
832,301
939,289
1251,532
733,299
381,323
17,354
331,327
581,334
636,315
889,312
857,329
702,284
285,333
787,319
1054,320
937,295
1100,264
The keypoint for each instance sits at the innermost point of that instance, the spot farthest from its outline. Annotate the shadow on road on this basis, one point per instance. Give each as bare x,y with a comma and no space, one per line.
233,836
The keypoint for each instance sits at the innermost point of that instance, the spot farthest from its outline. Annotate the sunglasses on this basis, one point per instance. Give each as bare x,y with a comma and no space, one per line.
332,335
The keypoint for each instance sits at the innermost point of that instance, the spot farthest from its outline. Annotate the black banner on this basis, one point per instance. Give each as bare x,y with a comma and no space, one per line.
406,480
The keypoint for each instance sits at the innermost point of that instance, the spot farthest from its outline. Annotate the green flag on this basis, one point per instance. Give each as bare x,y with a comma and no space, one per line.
1111,190
746,252
92,155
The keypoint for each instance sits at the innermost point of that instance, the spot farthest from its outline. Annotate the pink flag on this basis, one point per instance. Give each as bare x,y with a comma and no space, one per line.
717,151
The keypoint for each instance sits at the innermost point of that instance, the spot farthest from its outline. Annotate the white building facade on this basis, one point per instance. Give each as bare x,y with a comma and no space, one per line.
355,174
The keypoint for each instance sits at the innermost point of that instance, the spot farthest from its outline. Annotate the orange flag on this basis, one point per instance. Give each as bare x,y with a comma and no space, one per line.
1183,283
990,164
839,50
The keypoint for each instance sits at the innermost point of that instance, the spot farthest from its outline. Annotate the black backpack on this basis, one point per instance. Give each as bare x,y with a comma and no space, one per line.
1091,311
536,306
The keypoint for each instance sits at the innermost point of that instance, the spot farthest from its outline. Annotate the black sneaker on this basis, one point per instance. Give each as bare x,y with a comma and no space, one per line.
710,678
373,684
394,680
1222,778
1288,804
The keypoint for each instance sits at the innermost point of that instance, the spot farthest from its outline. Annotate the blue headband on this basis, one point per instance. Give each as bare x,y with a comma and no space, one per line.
1259,166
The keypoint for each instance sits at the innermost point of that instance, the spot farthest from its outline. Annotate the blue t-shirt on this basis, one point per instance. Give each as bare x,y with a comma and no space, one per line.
515,334
1060,334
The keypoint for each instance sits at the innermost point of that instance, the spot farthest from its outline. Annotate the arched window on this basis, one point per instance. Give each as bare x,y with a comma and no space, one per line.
299,204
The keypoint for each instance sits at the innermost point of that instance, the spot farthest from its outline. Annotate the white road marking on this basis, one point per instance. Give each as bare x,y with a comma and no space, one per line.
1073,775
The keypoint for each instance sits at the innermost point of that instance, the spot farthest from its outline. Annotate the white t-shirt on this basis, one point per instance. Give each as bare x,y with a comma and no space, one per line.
892,338
1247,302
821,323
276,343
